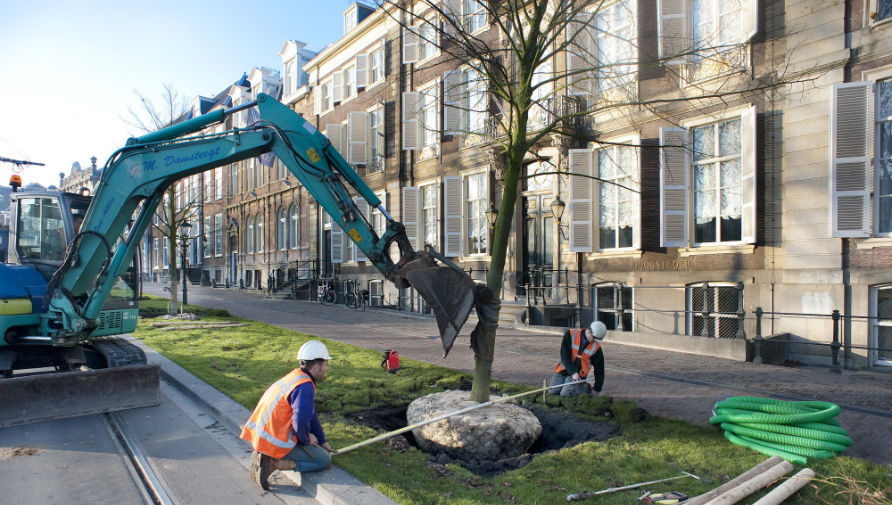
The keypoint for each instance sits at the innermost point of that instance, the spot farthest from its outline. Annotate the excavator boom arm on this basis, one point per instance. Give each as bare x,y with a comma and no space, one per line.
139,174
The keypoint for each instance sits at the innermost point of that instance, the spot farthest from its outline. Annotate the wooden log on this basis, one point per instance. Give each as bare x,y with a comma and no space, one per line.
749,487
745,476
789,486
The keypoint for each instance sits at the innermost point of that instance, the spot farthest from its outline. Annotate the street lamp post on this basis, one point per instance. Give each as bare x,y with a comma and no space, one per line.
557,211
185,228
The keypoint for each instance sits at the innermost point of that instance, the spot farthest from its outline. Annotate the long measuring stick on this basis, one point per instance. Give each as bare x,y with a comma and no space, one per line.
393,433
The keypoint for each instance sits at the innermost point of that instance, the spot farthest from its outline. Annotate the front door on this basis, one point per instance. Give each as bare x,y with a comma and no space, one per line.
538,245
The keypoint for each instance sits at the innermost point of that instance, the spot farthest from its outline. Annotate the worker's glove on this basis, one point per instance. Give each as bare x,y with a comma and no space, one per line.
575,377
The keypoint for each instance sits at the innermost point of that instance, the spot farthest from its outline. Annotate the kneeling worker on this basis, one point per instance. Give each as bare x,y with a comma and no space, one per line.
580,352
284,429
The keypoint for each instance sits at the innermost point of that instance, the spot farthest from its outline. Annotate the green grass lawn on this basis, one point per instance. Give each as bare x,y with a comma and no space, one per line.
241,362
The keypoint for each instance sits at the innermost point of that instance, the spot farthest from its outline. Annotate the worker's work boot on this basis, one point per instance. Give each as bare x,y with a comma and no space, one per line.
262,466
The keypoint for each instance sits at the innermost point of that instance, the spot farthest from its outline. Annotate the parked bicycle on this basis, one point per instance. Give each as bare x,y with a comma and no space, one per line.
356,298
325,293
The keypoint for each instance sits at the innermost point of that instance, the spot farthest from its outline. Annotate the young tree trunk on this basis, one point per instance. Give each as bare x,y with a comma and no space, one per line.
486,335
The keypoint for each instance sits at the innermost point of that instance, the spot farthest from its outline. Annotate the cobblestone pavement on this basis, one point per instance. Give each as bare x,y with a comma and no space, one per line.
670,384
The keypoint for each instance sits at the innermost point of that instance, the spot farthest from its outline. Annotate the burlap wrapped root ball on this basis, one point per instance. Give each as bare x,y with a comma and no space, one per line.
499,431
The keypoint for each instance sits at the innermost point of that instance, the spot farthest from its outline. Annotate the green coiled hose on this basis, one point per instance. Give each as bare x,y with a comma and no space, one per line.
792,430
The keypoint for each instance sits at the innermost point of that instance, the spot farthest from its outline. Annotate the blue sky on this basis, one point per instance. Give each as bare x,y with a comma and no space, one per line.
68,70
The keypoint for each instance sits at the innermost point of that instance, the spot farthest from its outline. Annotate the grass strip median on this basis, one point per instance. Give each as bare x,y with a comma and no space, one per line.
242,361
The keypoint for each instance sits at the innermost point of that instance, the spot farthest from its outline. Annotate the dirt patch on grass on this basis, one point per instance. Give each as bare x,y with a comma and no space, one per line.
19,451
560,430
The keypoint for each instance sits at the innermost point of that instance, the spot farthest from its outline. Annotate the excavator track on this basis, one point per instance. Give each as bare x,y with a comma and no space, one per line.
118,351
127,382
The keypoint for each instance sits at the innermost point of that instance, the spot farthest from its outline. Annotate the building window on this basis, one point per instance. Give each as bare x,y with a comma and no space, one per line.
616,81
617,197
613,303
281,229
233,179
218,183
155,253
250,236
883,10
208,186
477,227
326,95
165,252
218,235
376,65
349,82
378,222
430,223
717,34
712,310
293,226
428,39
881,334
260,240
884,155
430,117
475,15
717,182
207,233
250,172
477,102
376,140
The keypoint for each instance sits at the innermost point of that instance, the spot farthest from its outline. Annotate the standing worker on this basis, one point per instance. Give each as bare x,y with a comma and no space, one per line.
580,352
284,429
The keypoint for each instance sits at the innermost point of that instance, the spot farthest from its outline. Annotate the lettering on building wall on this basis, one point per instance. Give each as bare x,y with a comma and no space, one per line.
662,265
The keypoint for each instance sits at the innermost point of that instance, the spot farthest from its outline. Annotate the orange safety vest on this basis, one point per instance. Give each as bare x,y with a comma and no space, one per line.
589,350
269,427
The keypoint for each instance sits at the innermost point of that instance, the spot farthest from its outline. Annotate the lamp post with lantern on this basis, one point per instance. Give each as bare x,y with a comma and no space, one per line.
557,211
185,228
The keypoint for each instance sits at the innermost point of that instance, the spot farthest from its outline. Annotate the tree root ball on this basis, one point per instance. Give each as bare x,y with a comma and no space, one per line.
495,432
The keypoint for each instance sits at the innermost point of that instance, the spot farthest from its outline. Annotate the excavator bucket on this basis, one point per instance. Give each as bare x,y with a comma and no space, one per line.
447,290
42,397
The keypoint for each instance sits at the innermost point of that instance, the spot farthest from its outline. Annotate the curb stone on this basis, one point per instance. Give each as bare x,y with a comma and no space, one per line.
329,487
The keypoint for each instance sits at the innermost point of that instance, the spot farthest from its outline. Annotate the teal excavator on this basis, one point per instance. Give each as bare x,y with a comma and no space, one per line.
67,289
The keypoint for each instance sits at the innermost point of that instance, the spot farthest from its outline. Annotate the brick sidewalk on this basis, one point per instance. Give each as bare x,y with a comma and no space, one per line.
670,384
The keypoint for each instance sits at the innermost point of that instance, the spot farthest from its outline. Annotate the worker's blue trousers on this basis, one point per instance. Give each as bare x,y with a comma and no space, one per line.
309,458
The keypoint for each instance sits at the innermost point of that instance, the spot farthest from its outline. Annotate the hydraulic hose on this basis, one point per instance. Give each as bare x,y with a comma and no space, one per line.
792,430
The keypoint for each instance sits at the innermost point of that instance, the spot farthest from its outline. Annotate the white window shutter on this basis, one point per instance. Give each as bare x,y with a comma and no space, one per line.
672,30
452,207
337,84
410,46
357,123
579,191
748,175
749,20
596,198
579,57
851,131
673,187
411,131
333,132
453,91
317,100
410,214
363,206
337,243
362,70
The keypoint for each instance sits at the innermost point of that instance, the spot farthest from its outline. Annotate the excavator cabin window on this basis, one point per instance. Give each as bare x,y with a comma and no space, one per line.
40,231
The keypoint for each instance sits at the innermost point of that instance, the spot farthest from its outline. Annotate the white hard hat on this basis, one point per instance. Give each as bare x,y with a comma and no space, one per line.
311,350
598,330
